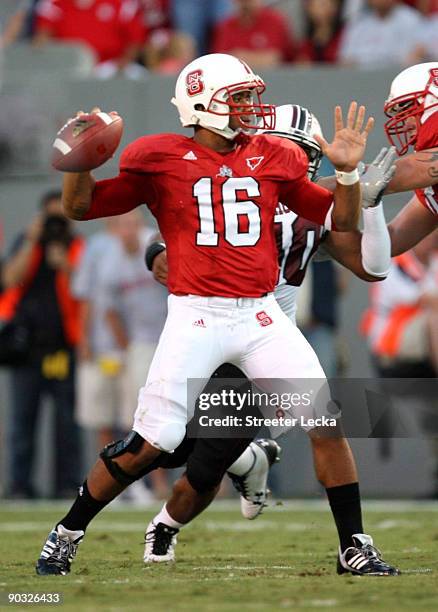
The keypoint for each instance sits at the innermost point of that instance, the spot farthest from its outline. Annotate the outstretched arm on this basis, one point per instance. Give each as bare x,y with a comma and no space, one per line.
367,254
415,171
413,223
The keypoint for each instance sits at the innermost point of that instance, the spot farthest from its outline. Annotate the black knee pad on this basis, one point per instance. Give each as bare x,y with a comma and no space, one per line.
210,459
131,444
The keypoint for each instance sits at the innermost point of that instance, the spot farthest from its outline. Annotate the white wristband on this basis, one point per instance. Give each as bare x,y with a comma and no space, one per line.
347,178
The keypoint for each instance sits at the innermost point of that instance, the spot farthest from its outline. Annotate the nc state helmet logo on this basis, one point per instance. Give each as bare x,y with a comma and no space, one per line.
434,77
194,83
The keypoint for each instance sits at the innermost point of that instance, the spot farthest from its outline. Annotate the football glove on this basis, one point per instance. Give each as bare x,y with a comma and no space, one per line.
377,176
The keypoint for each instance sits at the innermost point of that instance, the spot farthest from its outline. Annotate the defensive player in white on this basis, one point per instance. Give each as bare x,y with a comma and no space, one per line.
214,196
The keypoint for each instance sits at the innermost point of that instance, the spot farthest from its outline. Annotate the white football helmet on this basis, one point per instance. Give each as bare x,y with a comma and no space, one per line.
299,125
414,93
204,90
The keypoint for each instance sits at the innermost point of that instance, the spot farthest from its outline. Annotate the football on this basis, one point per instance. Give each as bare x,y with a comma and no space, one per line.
86,141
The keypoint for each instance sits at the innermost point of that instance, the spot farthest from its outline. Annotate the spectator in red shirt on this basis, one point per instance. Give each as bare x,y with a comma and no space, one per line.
259,35
323,27
113,29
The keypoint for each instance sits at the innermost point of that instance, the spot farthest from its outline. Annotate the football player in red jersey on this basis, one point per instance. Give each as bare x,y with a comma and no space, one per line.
412,110
368,256
214,197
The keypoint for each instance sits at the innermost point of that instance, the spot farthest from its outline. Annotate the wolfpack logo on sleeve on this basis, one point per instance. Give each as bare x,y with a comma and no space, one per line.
216,215
253,162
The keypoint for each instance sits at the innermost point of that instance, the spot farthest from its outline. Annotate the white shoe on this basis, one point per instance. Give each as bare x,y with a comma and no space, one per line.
252,485
160,542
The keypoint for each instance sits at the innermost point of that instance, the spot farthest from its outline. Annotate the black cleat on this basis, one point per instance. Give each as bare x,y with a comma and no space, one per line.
160,542
58,552
363,559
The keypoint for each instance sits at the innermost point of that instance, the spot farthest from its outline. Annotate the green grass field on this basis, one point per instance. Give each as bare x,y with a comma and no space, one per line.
283,560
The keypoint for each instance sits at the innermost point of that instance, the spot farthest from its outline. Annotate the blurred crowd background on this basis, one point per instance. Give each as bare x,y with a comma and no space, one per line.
140,36
87,313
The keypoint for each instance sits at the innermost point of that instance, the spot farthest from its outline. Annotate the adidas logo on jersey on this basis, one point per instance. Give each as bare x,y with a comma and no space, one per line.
199,323
190,156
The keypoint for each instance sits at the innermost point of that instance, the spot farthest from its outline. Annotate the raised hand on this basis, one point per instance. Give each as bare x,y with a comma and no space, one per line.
349,142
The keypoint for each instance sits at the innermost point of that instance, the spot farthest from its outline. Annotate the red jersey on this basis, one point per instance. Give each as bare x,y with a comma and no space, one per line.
109,27
214,210
269,30
427,139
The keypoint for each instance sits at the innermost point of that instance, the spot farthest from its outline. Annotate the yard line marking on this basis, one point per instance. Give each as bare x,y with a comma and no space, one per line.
396,523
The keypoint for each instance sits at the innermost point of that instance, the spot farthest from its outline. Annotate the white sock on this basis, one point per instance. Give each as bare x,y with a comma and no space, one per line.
243,464
164,517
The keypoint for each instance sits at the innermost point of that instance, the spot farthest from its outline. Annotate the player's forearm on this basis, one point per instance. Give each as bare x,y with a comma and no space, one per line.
415,171
77,194
347,249
413,223
346,211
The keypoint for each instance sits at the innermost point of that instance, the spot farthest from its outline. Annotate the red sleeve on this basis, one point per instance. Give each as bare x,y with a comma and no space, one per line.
428,197
119,195
420,195
296,190
307,199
